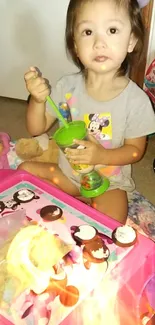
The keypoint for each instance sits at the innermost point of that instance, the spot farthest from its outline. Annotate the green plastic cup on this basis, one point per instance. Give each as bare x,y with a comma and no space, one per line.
64,138
93,184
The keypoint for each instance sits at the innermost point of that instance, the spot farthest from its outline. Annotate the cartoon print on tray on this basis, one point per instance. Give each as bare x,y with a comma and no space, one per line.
86,250
51,213
21,196
42,300
90,256
93,247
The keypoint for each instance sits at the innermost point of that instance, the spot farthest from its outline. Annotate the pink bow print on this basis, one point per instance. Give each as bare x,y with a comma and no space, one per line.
38,306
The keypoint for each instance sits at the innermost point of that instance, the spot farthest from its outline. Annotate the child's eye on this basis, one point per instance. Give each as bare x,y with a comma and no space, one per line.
112,30
87,32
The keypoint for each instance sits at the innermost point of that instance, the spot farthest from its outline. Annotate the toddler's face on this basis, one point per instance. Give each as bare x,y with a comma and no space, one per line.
103,36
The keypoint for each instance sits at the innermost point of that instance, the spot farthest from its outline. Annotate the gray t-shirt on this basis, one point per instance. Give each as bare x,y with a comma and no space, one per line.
129,115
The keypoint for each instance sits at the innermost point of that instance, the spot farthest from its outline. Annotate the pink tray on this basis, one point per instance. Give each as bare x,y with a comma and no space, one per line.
132,272
11,177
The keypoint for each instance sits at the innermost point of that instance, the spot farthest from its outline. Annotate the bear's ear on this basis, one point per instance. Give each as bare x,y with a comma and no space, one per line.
91,116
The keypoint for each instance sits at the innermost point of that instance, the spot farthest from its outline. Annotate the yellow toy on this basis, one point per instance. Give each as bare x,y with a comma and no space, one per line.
29,257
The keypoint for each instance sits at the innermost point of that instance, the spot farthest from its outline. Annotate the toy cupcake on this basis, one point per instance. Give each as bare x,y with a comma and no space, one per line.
124,236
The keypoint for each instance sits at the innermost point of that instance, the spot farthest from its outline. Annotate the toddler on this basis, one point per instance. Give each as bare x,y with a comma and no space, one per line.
102,37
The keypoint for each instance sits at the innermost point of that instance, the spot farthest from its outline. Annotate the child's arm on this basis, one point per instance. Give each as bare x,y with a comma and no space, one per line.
131,152
95,154
38,120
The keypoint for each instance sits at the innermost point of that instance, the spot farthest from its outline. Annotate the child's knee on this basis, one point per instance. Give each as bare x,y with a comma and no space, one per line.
25,165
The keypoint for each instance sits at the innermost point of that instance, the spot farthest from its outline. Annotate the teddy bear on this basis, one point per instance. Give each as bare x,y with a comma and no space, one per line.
41,149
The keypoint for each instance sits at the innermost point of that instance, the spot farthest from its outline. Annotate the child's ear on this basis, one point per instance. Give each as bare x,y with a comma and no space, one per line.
132,43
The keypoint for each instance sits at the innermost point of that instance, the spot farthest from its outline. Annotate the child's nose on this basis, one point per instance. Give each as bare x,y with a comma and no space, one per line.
99,42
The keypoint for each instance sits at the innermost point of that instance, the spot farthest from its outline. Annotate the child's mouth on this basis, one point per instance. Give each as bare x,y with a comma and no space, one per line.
101,58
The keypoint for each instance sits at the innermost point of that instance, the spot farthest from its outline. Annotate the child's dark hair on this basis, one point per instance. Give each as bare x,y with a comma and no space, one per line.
137,29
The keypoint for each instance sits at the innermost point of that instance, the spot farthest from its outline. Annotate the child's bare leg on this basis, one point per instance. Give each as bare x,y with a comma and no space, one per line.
113,203
52,174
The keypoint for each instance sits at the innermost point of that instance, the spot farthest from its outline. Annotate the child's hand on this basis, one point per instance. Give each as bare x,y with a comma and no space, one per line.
93,154
36,85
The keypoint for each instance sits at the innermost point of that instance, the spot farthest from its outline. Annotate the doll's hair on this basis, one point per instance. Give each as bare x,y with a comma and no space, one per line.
138,30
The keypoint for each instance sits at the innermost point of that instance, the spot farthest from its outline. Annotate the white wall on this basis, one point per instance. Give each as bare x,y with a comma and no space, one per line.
31,33
151,47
